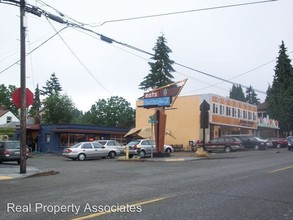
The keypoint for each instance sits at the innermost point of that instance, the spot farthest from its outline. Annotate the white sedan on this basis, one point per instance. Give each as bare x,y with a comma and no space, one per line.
89,150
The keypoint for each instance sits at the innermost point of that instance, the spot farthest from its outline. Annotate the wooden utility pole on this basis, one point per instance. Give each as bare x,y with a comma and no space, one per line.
23,89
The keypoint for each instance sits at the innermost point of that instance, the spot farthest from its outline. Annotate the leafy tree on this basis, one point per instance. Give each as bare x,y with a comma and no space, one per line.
36,107
6,98
251,96
237,93
280,93
160,73
115,112
58,109
52,86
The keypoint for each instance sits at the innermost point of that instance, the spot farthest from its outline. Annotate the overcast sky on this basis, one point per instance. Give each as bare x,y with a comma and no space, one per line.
228,43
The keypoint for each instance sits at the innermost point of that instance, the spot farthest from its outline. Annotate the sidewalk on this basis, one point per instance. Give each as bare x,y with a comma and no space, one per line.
7,173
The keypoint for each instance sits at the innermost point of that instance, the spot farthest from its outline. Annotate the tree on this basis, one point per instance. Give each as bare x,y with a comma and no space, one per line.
115,112
280,93
237,93
36,107
52,86
251,96
6,98
160,73
58,109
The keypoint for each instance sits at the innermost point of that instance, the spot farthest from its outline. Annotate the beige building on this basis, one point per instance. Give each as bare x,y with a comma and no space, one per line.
226,117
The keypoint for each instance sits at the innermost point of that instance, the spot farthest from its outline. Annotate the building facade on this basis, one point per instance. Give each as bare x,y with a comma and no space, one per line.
226,117
53,138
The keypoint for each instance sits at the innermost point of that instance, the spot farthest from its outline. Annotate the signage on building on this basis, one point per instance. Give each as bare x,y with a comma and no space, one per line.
171,91
267,122
157,102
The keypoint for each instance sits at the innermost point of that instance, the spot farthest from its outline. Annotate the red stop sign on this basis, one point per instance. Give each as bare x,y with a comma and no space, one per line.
16,98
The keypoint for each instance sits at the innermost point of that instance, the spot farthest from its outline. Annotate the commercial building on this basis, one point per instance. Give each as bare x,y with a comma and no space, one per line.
226,117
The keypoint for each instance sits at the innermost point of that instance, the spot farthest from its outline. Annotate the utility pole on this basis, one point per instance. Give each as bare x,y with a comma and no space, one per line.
23,89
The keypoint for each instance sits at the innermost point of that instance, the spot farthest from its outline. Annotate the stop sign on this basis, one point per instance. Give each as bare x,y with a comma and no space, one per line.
16,98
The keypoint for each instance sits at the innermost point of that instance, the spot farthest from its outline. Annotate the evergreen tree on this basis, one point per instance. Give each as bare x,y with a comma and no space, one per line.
251,96
36,107
280,93
237,93
160,73
52,86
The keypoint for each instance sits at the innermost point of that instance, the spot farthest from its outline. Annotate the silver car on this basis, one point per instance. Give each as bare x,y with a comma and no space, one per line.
89,150
143,147
112,144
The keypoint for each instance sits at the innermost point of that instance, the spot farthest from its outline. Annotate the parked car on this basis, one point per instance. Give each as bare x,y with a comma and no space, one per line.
112,144
89,150
226,144
278,142
253,143
143,147
10,151
290,142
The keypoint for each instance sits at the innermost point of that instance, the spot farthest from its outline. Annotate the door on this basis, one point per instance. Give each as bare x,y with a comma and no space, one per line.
100,150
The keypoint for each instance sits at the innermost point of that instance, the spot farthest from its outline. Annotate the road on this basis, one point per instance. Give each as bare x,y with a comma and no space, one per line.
244,185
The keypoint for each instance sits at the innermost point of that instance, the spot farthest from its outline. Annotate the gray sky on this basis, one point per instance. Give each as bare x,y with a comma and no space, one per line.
227,43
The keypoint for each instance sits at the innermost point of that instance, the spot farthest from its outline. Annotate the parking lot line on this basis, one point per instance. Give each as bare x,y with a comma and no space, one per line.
281,169
116,210
5,177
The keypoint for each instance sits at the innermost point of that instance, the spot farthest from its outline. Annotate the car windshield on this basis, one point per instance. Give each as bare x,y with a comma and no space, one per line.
12,145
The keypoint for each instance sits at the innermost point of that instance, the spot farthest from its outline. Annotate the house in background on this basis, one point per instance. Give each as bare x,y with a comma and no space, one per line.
7,116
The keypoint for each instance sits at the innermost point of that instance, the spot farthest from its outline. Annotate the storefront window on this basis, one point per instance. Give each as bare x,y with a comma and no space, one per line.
67,140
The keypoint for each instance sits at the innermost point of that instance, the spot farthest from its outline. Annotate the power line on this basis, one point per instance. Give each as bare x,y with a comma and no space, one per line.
33,49
182,12
79,60
37,11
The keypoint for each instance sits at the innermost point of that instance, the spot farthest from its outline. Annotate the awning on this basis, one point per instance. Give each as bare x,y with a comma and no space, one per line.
145,132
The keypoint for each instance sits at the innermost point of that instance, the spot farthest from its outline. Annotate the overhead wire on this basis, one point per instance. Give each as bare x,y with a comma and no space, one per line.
79,60
110,40
182,12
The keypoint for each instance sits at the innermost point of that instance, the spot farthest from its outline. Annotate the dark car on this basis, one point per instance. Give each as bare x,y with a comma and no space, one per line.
253,143
226,144
290,142
10,151
278,142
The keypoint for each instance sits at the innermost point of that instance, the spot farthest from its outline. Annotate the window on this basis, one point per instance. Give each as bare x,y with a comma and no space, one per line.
228,111
234,112
8,119
249,115
239,113
222,110
244,114
87,146
215,108
48,137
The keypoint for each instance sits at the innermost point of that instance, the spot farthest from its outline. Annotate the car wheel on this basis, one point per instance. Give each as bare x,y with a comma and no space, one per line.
112,154
278,145
141,153
81,157
256,147
228,149
168,150
18,162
